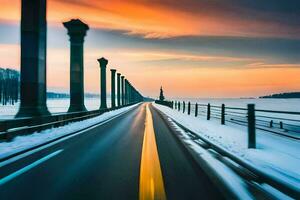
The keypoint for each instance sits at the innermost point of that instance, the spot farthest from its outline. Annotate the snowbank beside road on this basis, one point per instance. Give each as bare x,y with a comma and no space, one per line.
21,143
275,155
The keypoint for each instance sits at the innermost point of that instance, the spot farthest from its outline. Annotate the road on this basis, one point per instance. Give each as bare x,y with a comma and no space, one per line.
134,156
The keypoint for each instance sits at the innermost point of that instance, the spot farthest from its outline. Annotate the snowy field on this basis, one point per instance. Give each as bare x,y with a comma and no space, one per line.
23,142
54,106
265,104
276,155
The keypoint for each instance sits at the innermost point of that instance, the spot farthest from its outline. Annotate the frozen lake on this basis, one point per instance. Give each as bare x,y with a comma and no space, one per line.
264,104
54,106
62,105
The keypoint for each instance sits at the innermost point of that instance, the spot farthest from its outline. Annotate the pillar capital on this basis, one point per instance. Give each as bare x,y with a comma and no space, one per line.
103,62
113,70
76,30
119,74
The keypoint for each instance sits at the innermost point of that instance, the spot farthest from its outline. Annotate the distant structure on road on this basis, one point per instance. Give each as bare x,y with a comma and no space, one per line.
161,95
162,100
287,95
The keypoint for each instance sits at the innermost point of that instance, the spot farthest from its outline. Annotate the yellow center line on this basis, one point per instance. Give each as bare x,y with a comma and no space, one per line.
151,180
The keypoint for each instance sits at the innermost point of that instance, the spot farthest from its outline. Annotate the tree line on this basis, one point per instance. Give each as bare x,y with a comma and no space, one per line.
9,86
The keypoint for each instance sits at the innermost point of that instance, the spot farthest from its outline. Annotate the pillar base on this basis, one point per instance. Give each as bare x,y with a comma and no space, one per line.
103,107
25,111
77,108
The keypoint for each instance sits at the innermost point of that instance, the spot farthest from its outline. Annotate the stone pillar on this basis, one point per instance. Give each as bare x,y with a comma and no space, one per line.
126,92
113,88
77,31
129,93
33,59
119,89
133,94
123,90
103,63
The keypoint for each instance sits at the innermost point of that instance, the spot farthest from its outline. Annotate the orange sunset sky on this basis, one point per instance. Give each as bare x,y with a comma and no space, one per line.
193,48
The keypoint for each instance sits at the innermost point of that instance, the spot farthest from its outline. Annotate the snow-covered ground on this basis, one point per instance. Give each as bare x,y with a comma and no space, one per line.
275,154
23,142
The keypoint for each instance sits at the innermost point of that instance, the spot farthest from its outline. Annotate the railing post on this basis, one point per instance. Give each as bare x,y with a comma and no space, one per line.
175,105
281,125
223,114
178,105
183,107
271,124
251,126
208,111
196,110
189,108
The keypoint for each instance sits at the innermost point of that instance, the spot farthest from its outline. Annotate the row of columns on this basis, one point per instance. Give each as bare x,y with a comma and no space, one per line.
33,65
126,93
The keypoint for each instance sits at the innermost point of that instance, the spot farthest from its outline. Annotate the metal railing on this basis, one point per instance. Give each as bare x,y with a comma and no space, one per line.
24,126
283,123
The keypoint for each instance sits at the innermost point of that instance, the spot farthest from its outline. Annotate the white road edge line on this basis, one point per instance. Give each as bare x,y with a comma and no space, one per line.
13,159
28,167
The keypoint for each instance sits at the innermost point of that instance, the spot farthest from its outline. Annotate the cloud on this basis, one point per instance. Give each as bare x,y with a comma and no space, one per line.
273,65
217,48
168,18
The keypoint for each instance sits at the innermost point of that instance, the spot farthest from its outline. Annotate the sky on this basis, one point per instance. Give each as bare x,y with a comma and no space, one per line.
193,48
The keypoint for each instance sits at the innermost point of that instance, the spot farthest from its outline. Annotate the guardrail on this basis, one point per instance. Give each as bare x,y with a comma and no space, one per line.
24,126
257,174
283,123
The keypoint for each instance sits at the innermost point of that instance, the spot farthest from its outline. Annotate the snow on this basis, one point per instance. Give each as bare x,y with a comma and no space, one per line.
219,171
276,155
24,142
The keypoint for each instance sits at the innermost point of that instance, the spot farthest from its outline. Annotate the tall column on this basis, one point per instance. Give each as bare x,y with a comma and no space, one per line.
113,88
126,92
119,89
103,63
129,93
77,31
33,59
123,90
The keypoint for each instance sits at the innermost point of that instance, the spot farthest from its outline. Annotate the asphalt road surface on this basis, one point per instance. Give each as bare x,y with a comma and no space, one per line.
134,156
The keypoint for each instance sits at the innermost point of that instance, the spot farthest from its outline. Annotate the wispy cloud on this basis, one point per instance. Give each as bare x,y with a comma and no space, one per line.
163,19
273,65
